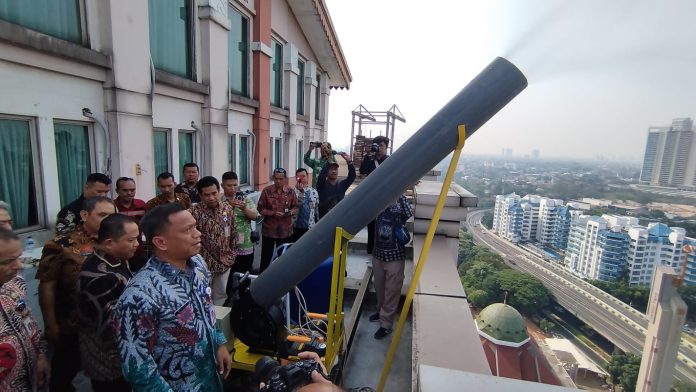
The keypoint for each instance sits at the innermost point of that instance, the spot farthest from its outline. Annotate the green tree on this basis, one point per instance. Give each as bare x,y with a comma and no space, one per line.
525,292
487,219
623,369
478,298
546,325
481,276
688,294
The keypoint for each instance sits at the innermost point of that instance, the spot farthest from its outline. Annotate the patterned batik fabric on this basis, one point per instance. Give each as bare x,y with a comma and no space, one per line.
274,200
61,262
21,342
243,226
190,191
308,213
218,235
387,248
180,198
69,216
102,280
165,324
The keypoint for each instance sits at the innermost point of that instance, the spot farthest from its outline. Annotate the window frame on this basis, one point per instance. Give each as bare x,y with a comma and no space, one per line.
301,68
168,134
247,139
82,16
300,154
35,144
194,151
276,152
90,139
246,77
317,93
191,71
279,80
232,152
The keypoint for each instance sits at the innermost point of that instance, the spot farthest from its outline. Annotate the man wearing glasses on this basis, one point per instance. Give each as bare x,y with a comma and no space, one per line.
278,204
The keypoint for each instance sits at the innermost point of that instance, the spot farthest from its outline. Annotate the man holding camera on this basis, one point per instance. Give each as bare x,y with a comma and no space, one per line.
327,155
331,191
371,161
278,204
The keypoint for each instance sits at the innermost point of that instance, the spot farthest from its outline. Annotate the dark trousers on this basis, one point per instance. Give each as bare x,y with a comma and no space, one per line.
119,385
370,237
268,245
65,364
297,234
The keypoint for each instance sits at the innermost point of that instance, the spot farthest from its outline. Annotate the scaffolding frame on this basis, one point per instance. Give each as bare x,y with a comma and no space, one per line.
384,120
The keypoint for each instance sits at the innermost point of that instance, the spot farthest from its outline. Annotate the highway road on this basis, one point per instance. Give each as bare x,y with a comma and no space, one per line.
610,317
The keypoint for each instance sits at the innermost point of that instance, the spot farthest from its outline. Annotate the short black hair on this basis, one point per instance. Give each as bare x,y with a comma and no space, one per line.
98,177
191,164
302,169
206,182
123,179
112,227
164,176
230,175
157,220
7,235
90,204
381,139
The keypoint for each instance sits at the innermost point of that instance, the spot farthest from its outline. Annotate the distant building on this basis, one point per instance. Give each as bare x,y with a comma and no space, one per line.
670,156
535,154
564,216
530,218
507,345
546,225
653,246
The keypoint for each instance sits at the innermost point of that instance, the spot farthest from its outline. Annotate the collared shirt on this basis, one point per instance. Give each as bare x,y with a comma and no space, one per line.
21,339
61,262
101,282
308,212
243,226
135,211
387,248
180,198
274,200
316,164
190,191
331,194
218,235
69,216
165,324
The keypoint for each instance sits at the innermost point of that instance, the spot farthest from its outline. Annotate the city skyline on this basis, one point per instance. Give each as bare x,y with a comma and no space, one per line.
629,72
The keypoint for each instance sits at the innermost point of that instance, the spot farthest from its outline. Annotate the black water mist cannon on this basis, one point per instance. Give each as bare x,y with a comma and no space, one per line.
482,98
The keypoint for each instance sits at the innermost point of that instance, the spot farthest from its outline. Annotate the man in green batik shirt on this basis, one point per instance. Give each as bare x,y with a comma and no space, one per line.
327,155
245,212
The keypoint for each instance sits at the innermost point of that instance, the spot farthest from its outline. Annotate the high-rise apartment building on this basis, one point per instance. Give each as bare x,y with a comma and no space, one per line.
530,218
649,247
546,225
670,156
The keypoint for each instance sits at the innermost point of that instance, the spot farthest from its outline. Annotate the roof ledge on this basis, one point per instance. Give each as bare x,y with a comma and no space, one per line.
316,24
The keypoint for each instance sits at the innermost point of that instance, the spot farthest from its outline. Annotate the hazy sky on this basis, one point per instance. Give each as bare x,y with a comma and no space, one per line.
600,71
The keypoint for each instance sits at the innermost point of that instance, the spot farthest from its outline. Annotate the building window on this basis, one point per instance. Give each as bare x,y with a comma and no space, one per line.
170,36
243,160
73,158
276,73
300,87
237,52
161,153
300,153
185,150
232,152
317,96
19,176
276,154
58,18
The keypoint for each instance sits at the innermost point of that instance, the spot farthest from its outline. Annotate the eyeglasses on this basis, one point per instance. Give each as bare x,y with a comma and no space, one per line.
279,170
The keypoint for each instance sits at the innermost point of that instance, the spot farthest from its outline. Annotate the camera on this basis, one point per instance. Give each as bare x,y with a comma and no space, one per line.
239,196
285,378
374,147
316,144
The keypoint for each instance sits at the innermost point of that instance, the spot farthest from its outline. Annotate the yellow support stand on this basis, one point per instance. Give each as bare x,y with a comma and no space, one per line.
423,257
335,328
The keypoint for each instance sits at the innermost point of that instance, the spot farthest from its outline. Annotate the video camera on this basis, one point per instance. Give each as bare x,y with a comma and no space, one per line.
286,378
374,147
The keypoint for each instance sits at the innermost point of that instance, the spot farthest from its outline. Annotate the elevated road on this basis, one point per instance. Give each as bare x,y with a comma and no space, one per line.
615,320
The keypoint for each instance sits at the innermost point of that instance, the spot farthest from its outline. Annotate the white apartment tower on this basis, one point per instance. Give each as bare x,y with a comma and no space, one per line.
670,156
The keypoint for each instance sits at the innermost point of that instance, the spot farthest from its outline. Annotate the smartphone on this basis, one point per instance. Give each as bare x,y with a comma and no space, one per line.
239,196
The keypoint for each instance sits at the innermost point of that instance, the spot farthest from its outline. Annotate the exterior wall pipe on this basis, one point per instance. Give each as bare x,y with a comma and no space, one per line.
482,98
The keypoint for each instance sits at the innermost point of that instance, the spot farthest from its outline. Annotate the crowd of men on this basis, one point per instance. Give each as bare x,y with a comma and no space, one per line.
127,287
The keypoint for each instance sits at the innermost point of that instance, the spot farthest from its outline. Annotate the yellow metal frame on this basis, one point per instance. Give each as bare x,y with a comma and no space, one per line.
423,257
243,359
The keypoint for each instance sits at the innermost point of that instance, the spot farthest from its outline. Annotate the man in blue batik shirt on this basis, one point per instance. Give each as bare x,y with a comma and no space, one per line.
165,319
308,199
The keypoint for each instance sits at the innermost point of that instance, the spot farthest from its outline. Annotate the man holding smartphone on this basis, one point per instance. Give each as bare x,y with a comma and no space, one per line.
244,213
308,200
